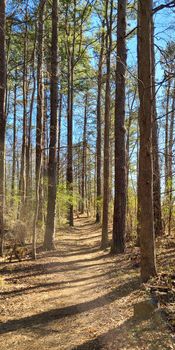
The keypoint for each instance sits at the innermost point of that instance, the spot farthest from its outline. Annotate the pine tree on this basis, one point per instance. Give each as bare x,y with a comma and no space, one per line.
145,190
119,220
52,175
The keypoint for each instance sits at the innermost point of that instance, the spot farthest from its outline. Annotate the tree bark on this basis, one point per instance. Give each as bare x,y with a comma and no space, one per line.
29,139
52,176
99,122
156,168
170,163
71,59
104,240
40,110
148,265
22,181
84,157
14,141
59,146
59,135
69,144
119,219
167,134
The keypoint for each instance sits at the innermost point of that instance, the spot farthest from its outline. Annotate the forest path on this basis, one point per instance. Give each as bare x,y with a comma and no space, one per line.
76,297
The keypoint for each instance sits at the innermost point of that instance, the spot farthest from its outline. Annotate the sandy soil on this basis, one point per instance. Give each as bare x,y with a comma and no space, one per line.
77,297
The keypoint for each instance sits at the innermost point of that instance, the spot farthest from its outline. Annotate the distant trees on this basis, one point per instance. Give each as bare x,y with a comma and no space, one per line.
77,141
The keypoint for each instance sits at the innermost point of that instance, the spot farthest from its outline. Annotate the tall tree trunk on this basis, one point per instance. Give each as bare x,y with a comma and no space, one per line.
29,140
148,265
45,132
45,149
14,141
99,122
71,52
22,181
59,146
52,178
104,241
170,162
69,145
79,175
84,157
2,119
40,110
119,219
138,186
130,119
59,136
167,135
156,169
36,213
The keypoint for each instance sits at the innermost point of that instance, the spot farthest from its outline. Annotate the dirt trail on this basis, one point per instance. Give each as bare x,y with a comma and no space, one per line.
76,297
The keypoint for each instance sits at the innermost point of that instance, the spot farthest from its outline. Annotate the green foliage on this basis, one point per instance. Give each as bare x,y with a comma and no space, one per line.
64,199
131,213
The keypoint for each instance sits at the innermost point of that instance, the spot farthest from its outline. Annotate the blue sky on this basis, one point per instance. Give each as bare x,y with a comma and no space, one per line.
164,32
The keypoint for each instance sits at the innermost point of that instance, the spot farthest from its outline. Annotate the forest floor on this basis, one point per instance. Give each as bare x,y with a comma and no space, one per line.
77,297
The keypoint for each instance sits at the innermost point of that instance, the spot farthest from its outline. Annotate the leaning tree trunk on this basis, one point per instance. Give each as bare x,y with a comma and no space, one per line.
148,266
2,119
119,220
52,176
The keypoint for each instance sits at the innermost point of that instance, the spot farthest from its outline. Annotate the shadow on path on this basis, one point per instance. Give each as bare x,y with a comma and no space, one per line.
59,313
